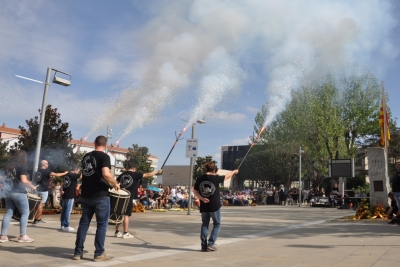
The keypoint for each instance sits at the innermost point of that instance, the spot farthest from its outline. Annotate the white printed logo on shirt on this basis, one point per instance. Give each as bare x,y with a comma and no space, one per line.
206,189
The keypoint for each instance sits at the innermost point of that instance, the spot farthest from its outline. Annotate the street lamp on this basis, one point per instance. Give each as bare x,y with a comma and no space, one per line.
108,136
60,81
300,152
199,121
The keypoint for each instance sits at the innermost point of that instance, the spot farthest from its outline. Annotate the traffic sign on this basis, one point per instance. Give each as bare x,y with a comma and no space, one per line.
192,148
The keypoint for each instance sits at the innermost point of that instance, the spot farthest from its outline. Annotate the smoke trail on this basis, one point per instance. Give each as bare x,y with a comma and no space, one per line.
5,184
117,108
286,38
223,76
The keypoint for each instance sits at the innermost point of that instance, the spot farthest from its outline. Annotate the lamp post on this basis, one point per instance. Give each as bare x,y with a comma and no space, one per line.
200,121
108,136
60,81
300,151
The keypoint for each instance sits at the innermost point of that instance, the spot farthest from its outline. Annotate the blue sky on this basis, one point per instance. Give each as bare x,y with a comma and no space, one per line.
143,66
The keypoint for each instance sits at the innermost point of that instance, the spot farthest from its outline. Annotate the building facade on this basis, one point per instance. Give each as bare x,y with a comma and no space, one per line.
229,155
117,154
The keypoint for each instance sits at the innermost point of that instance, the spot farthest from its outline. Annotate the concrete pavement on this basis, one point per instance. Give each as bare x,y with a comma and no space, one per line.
249,236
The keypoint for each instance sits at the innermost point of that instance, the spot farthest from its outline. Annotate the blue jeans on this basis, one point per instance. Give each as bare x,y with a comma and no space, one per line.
100,207
397,195
19,201
66,211
205,218
183,203
43,195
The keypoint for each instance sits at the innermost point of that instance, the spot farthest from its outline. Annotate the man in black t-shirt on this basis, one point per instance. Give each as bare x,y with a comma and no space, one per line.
393,209
96,180
206,189
67,194
396,187
42,179
129,180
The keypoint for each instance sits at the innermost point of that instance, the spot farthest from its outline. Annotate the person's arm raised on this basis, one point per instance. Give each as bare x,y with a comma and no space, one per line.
151,174
230,174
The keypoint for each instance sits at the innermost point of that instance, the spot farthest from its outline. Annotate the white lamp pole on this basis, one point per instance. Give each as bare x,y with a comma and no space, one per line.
60,81
300,151
191,174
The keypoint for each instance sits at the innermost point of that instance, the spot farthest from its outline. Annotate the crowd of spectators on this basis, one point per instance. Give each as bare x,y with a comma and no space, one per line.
166,197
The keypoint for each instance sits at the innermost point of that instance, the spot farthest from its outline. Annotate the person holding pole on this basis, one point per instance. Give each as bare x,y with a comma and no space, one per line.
129,180
207,190
42,179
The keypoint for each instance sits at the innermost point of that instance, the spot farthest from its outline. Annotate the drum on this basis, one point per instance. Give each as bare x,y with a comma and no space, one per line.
34,202
119,201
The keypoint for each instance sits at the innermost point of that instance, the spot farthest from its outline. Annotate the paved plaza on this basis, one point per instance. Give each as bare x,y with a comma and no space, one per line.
249,236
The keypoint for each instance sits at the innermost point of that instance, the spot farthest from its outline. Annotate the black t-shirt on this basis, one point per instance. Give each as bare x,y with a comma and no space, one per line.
93,183
15,177
69,185
208,187
396,183
154,196
130,181
393,204
42,178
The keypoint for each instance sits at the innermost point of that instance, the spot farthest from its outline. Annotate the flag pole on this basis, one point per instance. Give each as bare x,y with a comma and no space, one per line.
385,134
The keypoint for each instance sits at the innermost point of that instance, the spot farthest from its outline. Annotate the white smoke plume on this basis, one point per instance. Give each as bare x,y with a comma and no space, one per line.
181,46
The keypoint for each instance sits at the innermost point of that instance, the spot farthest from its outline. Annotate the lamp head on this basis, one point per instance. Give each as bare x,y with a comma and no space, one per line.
61,81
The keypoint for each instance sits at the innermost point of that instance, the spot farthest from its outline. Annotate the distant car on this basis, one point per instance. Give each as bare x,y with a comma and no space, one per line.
320,202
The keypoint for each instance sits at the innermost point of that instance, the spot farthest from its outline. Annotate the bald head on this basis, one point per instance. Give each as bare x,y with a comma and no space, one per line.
44,164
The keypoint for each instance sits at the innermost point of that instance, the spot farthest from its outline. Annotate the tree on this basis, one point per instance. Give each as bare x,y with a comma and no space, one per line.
55,148
198,166
4,156
139,156
327,118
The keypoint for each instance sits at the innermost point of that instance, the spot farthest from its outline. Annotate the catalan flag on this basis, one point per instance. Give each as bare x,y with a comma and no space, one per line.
384,123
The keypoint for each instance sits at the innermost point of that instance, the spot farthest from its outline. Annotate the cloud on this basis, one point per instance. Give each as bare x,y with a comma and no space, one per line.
241,142
252,109
228,117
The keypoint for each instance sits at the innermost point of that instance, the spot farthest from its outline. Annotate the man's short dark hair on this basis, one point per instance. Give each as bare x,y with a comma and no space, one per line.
100,140
130,165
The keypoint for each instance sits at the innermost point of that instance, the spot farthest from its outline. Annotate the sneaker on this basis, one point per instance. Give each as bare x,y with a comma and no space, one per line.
102,257
62,228
77,257
118,234
212,248
3,239
127,235
68,229
204,249
38,221
25,239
